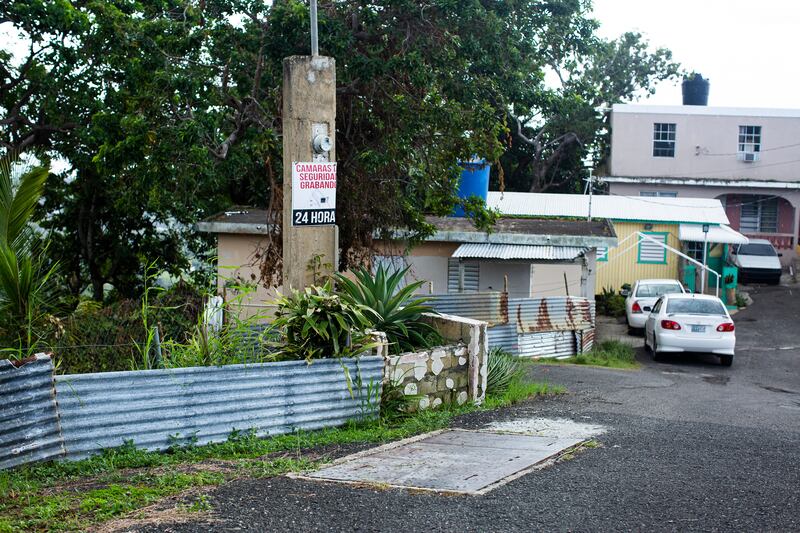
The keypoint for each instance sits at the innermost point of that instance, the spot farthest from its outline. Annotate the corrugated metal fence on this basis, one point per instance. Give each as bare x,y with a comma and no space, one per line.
557,326
159,408
29,429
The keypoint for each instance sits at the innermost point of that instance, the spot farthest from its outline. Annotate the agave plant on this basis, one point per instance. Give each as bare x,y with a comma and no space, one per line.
25,278
317,323
503,369
392,309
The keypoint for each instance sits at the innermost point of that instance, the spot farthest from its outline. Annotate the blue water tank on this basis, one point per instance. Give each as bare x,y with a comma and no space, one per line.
474,181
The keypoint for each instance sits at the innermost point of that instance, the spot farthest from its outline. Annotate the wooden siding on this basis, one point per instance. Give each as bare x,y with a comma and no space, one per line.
624,266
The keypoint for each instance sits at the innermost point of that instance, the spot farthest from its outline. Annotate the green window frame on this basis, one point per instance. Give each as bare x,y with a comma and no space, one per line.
649,260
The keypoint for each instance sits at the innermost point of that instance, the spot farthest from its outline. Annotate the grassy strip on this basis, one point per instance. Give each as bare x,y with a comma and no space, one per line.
69,496
609,354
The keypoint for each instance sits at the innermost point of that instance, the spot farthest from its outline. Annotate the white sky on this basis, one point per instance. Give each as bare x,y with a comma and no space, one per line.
747,49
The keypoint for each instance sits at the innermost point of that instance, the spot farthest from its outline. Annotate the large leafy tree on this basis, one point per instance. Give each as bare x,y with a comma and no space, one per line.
167,110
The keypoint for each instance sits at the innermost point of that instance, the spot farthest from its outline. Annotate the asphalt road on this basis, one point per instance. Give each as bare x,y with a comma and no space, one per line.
690,446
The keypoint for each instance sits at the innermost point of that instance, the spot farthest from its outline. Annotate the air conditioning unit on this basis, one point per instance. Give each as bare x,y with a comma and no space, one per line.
749,157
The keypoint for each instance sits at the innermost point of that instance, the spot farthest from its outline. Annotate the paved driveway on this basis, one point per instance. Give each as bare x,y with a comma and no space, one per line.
690,446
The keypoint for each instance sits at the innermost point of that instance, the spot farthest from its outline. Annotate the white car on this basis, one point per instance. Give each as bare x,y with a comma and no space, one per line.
641,298
690,323
757,261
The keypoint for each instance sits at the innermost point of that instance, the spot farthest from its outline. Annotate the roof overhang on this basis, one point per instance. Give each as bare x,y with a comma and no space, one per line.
518,251
240,228
703,182
585,241
716,234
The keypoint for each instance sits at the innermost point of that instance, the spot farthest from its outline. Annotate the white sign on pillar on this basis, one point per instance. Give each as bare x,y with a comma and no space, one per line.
313,194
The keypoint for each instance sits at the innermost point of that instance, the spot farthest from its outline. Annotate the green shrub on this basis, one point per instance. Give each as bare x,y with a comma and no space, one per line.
96,338
503,370
610,303
317,323
395,311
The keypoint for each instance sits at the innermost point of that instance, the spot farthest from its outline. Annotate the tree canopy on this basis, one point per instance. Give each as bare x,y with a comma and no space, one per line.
169,110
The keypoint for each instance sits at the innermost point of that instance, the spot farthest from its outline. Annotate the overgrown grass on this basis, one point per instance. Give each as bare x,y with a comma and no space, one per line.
609,354
71,496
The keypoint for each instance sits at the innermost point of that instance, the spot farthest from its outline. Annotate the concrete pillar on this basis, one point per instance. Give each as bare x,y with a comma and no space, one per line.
309,103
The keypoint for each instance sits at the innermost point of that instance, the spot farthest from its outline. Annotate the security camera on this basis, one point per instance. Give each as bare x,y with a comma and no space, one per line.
322,144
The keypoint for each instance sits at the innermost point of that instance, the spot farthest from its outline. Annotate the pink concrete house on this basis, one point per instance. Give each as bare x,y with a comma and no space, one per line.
747,158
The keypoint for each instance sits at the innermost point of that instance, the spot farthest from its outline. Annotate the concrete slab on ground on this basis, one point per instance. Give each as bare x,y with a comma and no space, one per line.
610,328
461,461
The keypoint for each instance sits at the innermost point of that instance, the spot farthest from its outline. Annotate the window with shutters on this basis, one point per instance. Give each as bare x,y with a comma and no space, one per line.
651,252
759,214
470,277
602,253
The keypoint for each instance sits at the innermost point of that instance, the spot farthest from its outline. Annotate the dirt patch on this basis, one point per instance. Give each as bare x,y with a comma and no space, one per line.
175,509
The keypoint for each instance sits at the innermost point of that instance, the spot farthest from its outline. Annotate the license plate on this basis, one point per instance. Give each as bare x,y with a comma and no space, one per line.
698,329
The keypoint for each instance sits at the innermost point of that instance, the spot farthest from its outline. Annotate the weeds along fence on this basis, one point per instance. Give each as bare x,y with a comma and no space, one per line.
44,416
556,326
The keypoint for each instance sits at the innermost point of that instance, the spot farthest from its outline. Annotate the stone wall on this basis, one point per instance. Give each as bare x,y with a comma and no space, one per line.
439,376
452,373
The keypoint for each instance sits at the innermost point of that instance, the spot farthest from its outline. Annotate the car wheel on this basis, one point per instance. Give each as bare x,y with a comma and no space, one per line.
646,345
726,360
656,356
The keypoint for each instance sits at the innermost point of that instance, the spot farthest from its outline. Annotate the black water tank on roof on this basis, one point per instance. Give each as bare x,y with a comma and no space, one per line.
695,90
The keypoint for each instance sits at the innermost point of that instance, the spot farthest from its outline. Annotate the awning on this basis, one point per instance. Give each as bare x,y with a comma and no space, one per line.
719,234
518,251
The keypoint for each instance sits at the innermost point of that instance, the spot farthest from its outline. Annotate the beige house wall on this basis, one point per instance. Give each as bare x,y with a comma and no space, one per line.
238,265
706,144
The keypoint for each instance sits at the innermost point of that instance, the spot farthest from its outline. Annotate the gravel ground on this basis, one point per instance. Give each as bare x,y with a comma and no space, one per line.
690,446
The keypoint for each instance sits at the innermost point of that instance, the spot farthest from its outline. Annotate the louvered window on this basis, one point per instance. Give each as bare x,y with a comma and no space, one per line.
651,252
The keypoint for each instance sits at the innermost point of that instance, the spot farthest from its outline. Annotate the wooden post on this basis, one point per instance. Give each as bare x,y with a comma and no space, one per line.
309,109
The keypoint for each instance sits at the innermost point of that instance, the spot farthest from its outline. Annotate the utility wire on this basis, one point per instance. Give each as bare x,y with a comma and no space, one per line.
764,150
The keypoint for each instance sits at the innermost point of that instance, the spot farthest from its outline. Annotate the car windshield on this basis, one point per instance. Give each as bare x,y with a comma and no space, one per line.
657,289
691,306
757,249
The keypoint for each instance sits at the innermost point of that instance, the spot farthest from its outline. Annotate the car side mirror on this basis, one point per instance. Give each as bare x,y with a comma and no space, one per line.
625,293
647,308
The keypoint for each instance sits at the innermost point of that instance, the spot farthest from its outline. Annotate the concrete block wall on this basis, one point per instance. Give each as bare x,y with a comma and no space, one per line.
452,373
438,376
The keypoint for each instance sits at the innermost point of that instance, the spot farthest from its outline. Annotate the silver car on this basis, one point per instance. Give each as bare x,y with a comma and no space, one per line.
641,298
690,323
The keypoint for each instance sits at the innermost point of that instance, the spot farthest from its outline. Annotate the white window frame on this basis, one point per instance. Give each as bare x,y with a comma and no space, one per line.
749,147
664,136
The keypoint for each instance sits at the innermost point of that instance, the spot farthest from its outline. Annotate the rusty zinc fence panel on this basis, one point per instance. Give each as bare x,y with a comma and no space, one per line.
558,326
491,307
562,313
29,426
158,408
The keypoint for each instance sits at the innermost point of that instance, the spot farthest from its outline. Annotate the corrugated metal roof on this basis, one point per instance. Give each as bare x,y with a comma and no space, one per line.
656,209
517,251
721,234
